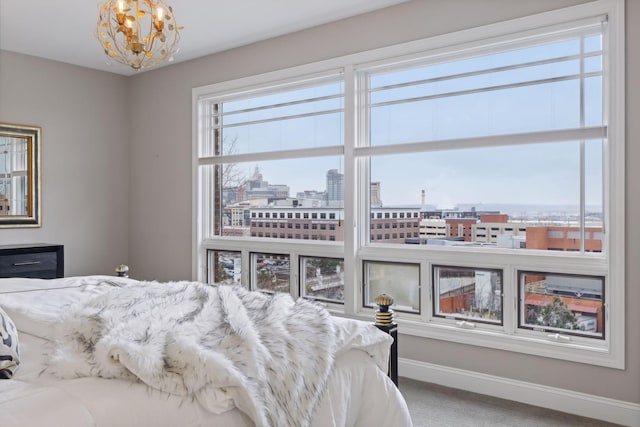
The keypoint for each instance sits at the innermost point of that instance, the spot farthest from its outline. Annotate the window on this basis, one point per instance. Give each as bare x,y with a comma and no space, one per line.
270,272
465,293
400,280
224,267
244,143
560,303
523,132
322,278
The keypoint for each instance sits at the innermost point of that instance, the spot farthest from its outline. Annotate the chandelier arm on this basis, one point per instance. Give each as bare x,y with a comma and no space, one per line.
110,32
114,37
152,36
122,51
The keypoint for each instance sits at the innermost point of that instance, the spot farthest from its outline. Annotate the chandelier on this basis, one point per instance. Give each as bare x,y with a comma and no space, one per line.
138,33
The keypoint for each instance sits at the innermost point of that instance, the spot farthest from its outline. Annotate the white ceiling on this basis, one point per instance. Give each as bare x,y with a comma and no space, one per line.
65,30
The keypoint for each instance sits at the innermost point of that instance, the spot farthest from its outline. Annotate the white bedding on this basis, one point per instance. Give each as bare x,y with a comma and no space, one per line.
359,393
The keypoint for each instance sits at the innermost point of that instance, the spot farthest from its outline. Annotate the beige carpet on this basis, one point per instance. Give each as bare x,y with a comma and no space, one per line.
436,406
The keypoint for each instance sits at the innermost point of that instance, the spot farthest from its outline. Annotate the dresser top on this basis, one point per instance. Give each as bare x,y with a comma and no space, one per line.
28,245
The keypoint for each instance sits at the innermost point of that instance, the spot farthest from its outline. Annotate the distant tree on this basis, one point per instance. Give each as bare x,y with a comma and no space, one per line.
557,314
232,174
223,276
266,279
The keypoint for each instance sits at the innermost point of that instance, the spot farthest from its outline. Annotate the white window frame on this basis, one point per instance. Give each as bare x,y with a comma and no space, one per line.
355,248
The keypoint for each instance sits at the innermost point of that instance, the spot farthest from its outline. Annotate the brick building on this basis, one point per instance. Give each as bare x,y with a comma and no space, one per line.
563,238
297,223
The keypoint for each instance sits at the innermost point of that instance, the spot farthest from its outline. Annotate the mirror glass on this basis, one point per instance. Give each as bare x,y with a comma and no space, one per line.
19,176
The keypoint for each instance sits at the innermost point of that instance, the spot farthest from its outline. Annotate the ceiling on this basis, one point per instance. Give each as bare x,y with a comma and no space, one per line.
65,30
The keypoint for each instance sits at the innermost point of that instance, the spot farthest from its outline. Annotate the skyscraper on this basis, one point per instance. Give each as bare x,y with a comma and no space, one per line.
335,185
375,194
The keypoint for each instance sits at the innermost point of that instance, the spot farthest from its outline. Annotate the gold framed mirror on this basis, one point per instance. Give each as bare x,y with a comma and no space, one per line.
20,176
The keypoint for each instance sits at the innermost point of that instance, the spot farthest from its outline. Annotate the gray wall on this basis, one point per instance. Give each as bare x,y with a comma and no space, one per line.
85,170
87,182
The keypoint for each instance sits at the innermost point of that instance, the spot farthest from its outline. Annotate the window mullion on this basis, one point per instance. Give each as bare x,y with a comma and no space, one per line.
582,149
351,193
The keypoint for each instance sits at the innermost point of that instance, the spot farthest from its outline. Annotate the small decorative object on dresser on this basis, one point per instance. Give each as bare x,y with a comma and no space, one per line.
33,260
384,322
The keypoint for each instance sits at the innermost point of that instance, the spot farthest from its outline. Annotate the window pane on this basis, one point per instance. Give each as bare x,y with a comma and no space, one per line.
282,194
530,89
322,278
507,197
571,304
224,267
475,82
593,43
468,293
272,100
516,110
593,101
401,281
484,62
299,118
593,64
594,184
270,272
301,132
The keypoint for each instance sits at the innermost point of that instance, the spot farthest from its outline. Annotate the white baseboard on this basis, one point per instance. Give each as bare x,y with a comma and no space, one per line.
586,405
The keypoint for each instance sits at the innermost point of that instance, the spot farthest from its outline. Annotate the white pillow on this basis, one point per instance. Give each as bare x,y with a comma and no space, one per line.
9,351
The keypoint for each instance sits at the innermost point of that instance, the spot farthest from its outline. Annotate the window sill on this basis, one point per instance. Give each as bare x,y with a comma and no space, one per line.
596,353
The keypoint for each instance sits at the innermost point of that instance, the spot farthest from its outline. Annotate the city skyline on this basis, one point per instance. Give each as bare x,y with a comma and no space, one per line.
512,209
441,102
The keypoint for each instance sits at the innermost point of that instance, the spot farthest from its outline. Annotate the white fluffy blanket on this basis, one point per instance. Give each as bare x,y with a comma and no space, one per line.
268,355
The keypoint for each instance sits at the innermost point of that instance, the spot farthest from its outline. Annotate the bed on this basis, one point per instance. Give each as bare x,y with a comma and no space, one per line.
107,351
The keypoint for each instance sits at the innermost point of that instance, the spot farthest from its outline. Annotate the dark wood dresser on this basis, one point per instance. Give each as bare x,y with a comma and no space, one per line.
33,260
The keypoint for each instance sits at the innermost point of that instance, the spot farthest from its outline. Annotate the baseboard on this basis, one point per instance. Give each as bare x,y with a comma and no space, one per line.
586,405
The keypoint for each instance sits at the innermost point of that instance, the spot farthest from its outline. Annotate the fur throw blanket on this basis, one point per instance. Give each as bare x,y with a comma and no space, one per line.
225,346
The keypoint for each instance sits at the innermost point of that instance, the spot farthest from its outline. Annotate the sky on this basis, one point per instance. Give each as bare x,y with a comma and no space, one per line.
538,174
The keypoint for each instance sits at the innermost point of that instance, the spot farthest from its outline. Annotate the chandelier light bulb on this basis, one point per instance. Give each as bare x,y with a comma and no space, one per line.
138,33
